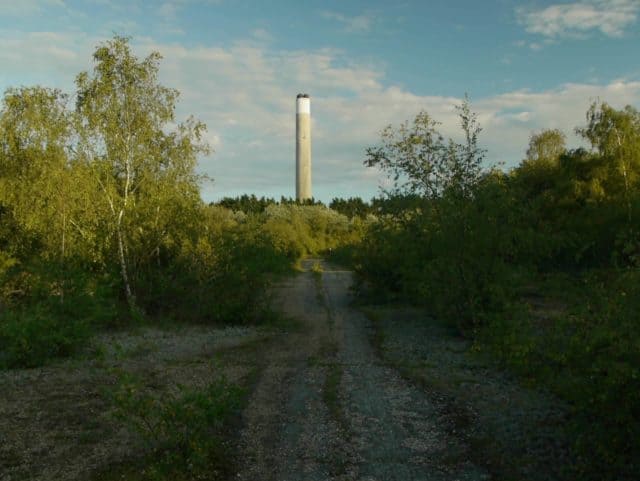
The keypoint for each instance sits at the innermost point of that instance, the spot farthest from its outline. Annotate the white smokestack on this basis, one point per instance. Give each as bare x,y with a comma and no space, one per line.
303,147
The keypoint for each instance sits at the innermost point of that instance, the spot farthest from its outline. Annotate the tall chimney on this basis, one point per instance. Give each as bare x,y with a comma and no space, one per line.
303,147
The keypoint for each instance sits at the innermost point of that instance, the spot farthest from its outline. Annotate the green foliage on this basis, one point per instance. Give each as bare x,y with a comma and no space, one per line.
303,230
468,235
466,242
316,268
247,258
31,336
184,428
44,319
105,189
546,147
420,161
249,204
345,255
589,356
351,207
100,208
449,223
223,275
146,174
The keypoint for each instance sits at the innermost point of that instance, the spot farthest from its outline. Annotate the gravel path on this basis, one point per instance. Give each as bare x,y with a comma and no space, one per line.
330,399
515,429
326,407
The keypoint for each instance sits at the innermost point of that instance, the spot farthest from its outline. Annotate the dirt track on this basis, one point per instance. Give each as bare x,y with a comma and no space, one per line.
326,407
333,396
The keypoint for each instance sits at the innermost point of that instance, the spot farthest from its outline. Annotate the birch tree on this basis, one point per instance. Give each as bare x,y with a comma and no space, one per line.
124,120
34,133
546,146
420,161
38,183
615,134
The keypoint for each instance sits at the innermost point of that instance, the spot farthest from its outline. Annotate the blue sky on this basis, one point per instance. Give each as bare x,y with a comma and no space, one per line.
239,64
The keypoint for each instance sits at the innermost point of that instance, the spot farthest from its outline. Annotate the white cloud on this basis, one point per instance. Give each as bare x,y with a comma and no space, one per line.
28,7
170,8
610,17
357,23
246,95
509,119
262,35
47,58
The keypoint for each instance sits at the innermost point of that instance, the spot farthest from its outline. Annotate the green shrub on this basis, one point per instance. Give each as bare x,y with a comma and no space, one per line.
462,240
221,279
183,428
591,358
51,317
31,336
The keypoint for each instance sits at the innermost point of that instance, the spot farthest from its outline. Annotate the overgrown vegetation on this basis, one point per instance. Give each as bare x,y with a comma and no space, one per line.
480,247
101,221
102,225
184,431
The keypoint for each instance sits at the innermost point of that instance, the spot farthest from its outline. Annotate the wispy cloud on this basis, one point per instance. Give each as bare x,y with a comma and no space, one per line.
245,93
49,58
610,17
353,24
28,7
262,35
170,8
252,113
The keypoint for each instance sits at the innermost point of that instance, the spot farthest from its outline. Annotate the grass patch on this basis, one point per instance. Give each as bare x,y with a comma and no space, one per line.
379,337
331,393
316,270
317,277
587,354
30,338
184,430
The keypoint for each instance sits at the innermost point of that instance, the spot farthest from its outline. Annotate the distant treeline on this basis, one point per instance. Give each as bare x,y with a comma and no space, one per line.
350,207
250,204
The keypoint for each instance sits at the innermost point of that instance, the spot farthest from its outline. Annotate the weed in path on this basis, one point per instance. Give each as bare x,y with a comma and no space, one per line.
331,390
316,267
321,296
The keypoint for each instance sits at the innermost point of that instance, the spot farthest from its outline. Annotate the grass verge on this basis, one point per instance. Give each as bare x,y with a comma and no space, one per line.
183,430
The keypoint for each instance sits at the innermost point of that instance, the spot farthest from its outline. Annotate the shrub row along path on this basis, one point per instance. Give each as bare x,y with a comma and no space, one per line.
327,407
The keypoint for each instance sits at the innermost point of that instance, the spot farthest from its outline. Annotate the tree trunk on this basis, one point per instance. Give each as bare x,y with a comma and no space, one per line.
62,256
131,300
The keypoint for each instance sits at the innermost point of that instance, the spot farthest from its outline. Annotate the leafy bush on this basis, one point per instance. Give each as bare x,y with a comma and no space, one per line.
51,318
184,428
220,278
77,202
463,240
590,357
33,335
